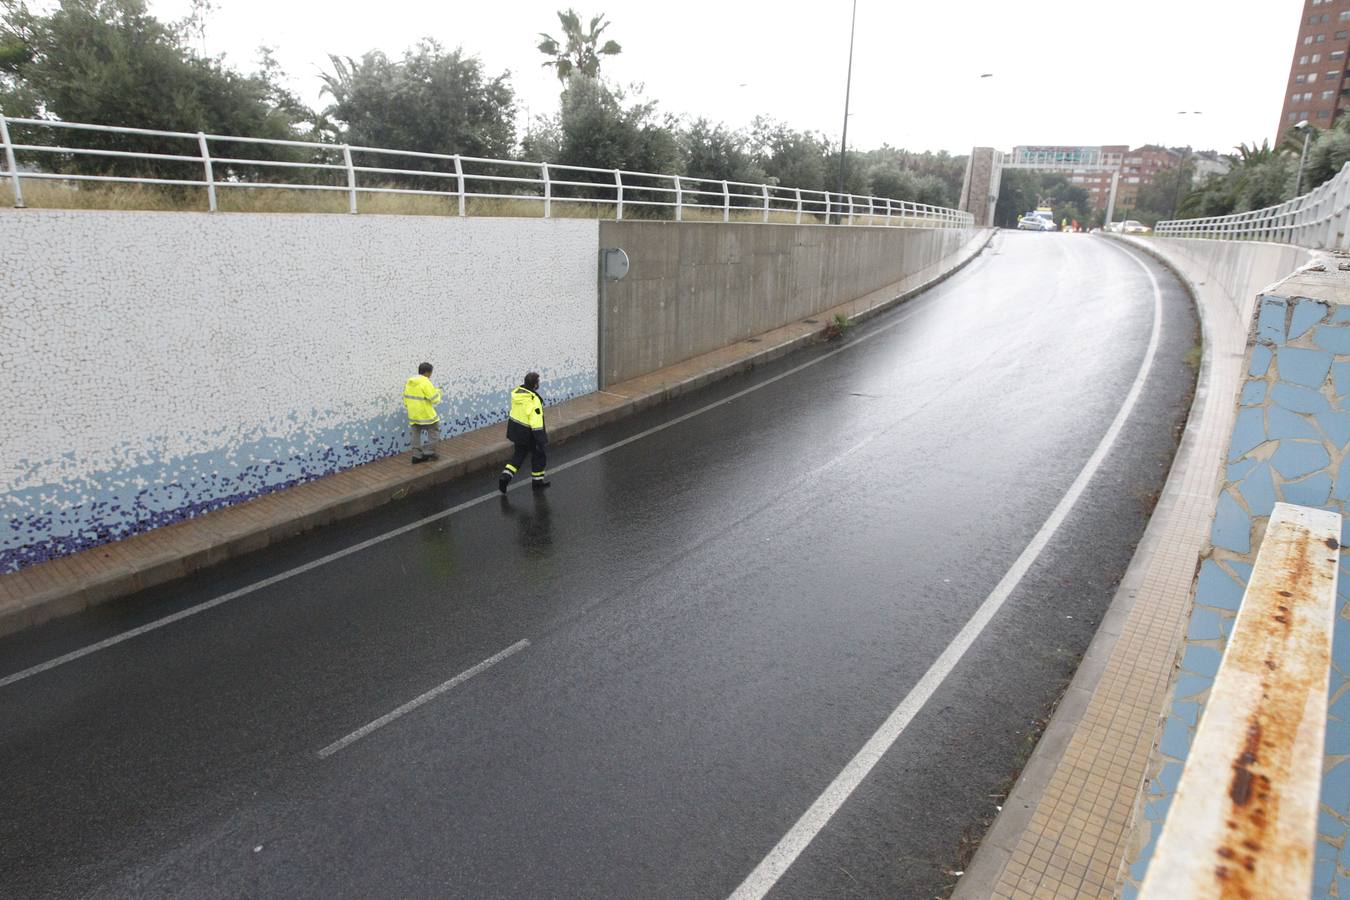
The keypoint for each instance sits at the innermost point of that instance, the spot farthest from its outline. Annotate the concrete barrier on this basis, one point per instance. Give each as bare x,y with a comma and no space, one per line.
697,286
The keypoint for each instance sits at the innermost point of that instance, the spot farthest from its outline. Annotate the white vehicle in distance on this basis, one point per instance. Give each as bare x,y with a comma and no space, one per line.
1130,226
1039,220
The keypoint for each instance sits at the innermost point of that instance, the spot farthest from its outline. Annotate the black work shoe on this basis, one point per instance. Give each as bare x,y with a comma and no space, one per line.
541,483
502,481
422,459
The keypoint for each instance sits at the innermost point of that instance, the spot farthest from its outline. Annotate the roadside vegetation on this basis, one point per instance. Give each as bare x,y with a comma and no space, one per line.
111,62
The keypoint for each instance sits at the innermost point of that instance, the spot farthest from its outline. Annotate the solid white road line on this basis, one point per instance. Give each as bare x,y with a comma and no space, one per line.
434,517
420,699
772,867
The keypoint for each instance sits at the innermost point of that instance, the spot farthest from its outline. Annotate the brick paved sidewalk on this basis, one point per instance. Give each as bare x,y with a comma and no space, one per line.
68,584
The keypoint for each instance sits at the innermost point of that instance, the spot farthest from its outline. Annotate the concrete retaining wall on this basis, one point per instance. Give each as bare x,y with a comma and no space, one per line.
1236,270
697,286
154,366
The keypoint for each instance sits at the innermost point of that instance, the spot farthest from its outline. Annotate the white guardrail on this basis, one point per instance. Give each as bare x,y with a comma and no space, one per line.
206,163
1316,220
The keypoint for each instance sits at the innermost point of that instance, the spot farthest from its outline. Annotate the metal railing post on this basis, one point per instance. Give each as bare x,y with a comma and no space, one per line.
764,188
850,209
618,185
459,182
679,201
210,175
888,210
351,178
548,192
726,203
11,164
871,209
799,205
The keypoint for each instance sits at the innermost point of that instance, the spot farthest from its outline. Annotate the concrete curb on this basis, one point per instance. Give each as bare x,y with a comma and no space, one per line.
101,574
998,844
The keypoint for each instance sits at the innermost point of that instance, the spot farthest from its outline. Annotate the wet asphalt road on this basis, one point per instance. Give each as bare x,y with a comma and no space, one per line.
719,616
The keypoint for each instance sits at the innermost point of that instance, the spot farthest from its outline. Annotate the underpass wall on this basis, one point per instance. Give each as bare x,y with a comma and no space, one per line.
694,287
155,366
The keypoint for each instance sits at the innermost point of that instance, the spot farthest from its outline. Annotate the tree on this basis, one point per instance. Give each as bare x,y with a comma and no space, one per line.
794,159
110,61
598,128
715,152
579,51
430,101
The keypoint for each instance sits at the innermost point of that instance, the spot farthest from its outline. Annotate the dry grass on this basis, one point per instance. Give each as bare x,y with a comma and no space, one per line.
169,198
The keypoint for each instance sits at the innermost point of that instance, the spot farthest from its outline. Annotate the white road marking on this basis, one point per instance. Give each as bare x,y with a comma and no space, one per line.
420,699
434,517
781,857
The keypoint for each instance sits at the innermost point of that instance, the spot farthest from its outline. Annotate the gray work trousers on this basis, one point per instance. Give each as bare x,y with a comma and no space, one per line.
423,433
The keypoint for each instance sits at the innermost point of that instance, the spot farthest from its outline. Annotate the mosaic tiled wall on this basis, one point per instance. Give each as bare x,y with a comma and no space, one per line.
1291,443
154,366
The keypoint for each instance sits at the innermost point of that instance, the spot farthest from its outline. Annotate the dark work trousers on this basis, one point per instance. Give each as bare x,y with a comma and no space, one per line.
535,450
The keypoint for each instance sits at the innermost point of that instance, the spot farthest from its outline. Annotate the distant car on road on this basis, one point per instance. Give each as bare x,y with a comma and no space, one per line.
1130,226
1036,221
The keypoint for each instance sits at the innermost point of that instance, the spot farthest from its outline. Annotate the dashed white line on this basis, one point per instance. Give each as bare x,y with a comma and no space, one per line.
420,699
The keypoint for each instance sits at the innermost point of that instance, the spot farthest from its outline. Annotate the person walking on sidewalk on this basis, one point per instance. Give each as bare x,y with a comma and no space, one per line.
525,429
420,396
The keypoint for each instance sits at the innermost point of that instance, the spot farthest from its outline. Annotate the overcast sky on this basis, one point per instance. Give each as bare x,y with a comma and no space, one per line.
1065,73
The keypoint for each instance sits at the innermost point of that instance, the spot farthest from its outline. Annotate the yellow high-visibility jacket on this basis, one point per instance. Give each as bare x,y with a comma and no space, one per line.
527,417
420,396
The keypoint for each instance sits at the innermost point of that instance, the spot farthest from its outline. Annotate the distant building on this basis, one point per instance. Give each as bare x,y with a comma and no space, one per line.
1208,164
1136,167
1316,90
1139,167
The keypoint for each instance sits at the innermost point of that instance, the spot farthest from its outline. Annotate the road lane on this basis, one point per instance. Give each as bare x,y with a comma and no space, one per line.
720,614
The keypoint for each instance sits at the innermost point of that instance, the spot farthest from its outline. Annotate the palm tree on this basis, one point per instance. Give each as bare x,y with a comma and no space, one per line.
578,52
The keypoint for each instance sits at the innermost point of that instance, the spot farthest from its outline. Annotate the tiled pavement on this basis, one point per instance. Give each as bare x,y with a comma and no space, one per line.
71,583
1065,830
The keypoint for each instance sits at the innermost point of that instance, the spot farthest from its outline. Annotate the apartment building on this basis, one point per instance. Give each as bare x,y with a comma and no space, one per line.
1316,91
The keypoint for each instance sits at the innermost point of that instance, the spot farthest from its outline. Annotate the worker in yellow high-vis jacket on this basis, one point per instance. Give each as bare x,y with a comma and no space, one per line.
420,396
525,429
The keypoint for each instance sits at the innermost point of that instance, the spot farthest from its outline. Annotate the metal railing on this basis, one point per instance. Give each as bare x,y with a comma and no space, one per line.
208,163
1316,220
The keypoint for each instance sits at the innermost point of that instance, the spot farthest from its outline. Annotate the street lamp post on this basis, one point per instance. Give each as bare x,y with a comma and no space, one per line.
1181,170
1305,127
848,89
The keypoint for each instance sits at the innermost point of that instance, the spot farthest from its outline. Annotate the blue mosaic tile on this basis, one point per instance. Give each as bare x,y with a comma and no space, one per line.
1312,491
1337,741
1204,625
1342,882
1242,570
1341,490
1216,588
1200,660
1300,366
1241,469
1333,338
1294,459
1307,313
1156,810
1270,321
1341,708
1232,527
1249,431
1336,426
1329,826
1341,315
1176,738
1253,392
1140,865
1192,685
1260,364
1169,777
1340,375
1324,871
1336,788
1258,490
1187,711
1299,399
1129,891
1281,424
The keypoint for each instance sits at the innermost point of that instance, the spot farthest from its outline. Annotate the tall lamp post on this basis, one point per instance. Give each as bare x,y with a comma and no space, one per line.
1306,127
848,89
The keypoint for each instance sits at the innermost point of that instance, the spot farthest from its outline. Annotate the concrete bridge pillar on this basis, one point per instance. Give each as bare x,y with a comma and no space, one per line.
979,191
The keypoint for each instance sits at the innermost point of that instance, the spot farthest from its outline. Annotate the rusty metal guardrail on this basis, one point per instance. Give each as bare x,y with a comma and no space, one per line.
1244,820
